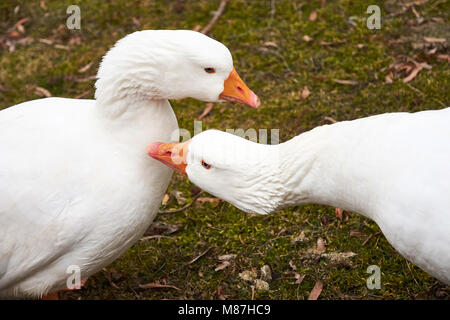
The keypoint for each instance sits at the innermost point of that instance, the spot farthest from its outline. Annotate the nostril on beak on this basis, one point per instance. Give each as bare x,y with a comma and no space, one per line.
240,89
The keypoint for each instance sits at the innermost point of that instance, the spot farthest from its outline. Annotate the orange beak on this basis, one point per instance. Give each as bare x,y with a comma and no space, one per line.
172,155
236,90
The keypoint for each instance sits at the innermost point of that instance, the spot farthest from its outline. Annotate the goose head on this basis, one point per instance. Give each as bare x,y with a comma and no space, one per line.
232,168
170,64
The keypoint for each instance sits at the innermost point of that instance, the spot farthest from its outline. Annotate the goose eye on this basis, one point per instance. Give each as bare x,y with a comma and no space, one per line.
206,165
210,70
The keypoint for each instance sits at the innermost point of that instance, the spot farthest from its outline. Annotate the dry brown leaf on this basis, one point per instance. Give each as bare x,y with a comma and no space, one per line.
270,44
339,213
349,82
443,57
357,233
261,285
165,199
306,38
178,195
431,51
220,294
388,78
281,231
206,111
419,18
305,92
340,258
438,20
222,266
402,66
300,238
315,292
25,41
42,92
313,16
292,265
208,199
74,41
19,25
13,34
434,40
82,79
320,245
413,74
299,278
423,65
330,119
324,221
20,28
266,273
157,285
46,41
414,3
136,22
248,275
62,47
85,68
226,257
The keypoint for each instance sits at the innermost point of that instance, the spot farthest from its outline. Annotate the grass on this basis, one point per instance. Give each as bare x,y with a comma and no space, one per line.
266,39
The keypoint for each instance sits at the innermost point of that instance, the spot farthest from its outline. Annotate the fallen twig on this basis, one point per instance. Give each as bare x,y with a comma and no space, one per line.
348,82
217,14
182,208
315,292
207,110
332,120
370,237
199,256
157,285
272,14
84,94
157,236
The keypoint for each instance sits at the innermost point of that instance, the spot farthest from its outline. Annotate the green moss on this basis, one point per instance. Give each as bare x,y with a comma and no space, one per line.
277,73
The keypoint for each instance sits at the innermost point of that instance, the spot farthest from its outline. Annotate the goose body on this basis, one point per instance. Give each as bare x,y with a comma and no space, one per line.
393,168
77,187
87,209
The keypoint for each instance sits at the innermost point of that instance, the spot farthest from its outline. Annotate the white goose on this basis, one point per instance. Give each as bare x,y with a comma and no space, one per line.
77,189
393,168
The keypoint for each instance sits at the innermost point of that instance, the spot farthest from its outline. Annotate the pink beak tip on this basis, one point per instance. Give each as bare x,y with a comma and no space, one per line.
153,148
254,99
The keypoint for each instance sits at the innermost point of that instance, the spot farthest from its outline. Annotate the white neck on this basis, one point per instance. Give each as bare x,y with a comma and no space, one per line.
133,123
315,168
